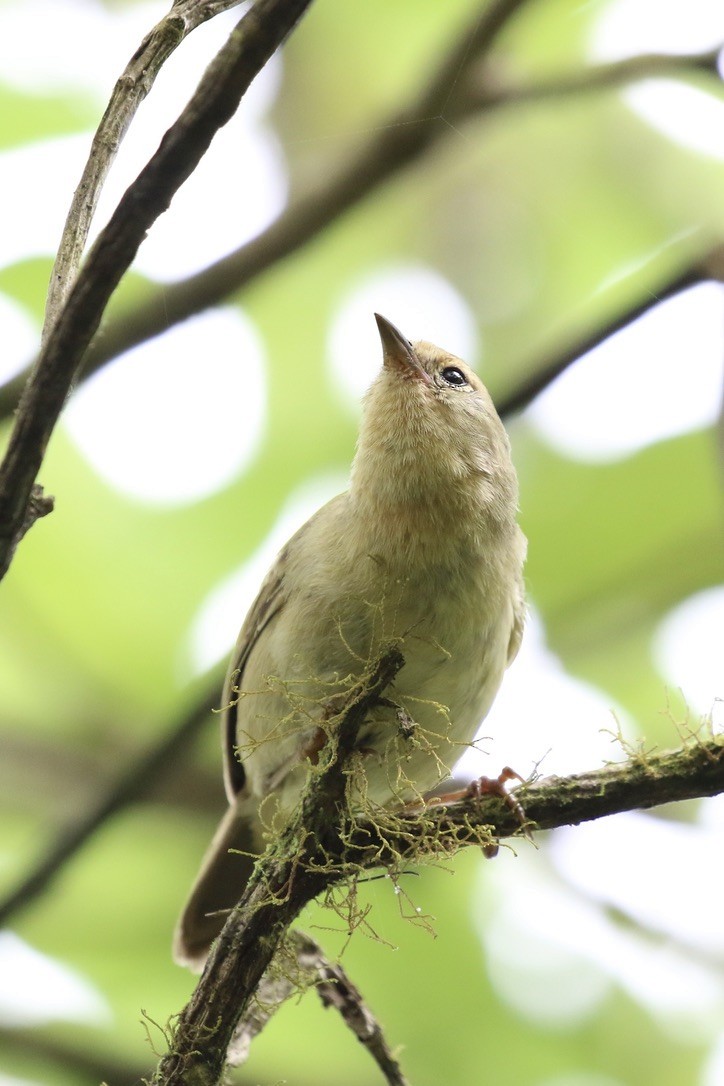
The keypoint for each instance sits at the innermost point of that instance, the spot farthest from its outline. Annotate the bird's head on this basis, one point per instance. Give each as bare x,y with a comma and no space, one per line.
430,431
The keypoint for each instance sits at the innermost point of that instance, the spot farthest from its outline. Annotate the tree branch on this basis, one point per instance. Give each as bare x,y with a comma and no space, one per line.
545,370
645,780
252,42
306,965
72,1061
398,141
292,872
131,88
132,784
335,989
592,80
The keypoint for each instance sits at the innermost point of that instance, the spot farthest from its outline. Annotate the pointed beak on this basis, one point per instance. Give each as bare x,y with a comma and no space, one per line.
398,354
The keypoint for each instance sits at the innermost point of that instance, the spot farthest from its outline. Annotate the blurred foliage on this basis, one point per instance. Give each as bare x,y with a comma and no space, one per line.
528,213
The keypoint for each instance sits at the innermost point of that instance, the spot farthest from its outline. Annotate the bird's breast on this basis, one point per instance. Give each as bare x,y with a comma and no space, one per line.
451,619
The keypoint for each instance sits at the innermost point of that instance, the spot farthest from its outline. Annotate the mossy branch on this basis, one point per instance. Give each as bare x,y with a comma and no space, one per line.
642,781
293,871
324,845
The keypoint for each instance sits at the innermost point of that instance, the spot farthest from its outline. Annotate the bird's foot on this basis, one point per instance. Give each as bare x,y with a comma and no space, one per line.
495,786
490,786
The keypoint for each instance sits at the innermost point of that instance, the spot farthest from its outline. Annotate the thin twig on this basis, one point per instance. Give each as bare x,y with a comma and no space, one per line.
545,370
311,968
131,88
335,989
592,80
399,140
133,782
39,505
252,42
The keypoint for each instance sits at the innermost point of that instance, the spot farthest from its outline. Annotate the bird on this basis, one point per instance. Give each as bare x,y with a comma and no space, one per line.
423,549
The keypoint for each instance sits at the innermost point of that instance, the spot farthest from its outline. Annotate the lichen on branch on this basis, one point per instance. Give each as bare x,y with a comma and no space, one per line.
326,845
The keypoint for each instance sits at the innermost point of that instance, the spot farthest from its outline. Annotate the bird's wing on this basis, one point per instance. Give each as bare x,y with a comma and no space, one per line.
519,609
267,606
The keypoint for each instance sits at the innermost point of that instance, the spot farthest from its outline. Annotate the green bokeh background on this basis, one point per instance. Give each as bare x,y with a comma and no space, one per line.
527,213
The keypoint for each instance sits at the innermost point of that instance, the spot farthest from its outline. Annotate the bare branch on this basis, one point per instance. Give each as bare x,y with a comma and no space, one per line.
458,92
312,968
131,88
592,80
545,370
335,989
71,1060
132,784
252,42
399,141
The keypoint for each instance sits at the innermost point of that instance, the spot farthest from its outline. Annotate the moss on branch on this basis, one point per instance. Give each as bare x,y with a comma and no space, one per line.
324,845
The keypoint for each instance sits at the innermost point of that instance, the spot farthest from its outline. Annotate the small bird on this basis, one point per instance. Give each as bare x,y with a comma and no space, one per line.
423,549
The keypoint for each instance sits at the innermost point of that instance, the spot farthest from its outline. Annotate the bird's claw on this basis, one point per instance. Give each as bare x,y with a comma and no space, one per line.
495,786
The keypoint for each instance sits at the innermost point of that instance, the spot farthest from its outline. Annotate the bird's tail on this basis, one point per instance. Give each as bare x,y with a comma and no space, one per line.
219,884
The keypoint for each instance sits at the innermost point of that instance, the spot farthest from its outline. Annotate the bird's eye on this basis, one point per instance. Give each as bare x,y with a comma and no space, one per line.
453,376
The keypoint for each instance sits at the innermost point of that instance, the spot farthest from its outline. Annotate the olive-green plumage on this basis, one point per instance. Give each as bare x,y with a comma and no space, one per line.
424,547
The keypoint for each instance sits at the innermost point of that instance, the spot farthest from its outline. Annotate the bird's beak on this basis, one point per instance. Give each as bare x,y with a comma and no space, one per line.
398,353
